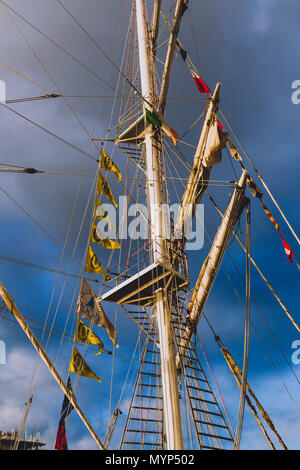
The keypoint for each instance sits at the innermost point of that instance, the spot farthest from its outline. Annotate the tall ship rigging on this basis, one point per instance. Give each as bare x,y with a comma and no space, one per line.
132,290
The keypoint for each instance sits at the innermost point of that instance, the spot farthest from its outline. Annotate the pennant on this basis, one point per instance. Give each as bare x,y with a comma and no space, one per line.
220,125
67,407
153,119
80,367
255,191
83,334
99,214
94,266
170,132
110,244
182,51
103,240
270,215
89,307
94,238
201,85
234,152
104,188
288,251
107,164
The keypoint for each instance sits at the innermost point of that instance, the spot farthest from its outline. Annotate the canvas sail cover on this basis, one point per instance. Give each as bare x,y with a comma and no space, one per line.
214,145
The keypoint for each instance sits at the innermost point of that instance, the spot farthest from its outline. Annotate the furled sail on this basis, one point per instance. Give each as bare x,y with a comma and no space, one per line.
199,175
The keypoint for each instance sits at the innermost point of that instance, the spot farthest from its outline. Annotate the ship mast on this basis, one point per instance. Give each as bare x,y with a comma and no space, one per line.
172,418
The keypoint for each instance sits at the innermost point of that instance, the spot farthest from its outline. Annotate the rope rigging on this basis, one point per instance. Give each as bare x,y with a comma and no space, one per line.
130,110
239,378
239,428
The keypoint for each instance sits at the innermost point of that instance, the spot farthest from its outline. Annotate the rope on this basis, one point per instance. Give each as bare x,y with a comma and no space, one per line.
103,52
44,268
239,428
74,147
58,46
47,73
75,200
26,78
259,270
262,180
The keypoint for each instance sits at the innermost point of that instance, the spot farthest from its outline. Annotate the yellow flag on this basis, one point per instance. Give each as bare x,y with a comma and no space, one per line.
107,164
79,366
104,188
110,244
83,334
94,237
99,214
94,266
105,242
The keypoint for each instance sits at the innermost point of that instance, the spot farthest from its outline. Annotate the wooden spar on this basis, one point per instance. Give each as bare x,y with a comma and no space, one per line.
155,25
249,403
9,301
188,200
170,56
171,407
212,263
237,373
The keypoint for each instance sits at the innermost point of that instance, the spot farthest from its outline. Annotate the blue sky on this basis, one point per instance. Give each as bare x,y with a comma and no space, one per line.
253,49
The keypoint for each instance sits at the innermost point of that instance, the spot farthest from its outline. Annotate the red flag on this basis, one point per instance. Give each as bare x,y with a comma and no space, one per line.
220,126
201,85
289,252
61,439
67,407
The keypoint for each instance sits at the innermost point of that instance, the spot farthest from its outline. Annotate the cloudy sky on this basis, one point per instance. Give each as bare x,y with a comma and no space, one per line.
253,49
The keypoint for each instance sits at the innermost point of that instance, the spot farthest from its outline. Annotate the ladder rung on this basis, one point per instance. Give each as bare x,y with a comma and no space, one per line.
193,388
149,385
150,373
211,424
204,401
150,397
196,378
146,419
215,436
212,448
143,443
142,431
207,412
147,408
194,368
200,390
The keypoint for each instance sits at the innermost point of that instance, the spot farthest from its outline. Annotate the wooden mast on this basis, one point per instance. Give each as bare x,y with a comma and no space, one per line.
172,418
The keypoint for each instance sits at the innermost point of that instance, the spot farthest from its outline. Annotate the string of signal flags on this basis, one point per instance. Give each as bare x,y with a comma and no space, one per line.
88,306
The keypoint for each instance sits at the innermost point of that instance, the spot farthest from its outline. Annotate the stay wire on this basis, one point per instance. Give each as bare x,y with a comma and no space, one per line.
58,46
